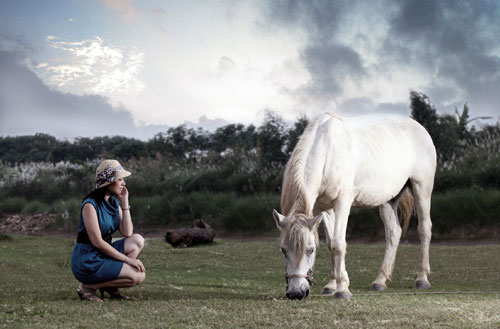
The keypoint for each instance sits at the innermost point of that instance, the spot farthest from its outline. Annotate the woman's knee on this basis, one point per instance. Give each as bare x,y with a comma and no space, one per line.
138,241
138,278
134,243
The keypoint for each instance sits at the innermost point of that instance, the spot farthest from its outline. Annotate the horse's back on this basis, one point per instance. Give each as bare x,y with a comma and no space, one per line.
380,137
382,152
385,135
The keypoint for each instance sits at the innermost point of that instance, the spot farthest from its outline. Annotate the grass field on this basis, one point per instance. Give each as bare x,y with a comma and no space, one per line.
240,284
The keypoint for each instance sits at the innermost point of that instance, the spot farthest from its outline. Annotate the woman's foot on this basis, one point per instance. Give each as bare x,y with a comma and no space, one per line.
88,294
114,293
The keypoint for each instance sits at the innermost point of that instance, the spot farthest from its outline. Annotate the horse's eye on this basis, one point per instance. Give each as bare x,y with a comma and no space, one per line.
283,251
310,251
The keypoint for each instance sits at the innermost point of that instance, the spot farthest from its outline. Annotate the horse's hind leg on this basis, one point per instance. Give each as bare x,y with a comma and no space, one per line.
422,195
388,213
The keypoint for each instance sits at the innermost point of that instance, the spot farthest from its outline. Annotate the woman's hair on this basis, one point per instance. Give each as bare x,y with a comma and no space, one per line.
98,194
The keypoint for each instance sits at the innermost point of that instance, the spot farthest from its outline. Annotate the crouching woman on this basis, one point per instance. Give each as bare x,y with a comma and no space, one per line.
97,262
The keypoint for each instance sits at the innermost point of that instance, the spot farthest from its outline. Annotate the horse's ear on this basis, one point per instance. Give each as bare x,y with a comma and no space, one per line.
314,222
279,219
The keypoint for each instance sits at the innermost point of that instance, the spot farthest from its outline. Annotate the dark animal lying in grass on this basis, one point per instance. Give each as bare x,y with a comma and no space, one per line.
199,233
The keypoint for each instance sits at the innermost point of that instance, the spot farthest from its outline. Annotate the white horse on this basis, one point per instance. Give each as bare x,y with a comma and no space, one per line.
373,160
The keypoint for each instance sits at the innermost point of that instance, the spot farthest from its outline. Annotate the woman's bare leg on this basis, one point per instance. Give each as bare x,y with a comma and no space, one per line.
128,277
134,245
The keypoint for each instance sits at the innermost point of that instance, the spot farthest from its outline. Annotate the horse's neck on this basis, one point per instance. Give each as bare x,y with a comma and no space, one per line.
295,194
302,206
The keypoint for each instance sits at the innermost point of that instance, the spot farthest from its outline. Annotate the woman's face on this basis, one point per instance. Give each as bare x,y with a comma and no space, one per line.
117,187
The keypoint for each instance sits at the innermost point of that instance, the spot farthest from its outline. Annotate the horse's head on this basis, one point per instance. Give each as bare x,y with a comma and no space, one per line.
298,242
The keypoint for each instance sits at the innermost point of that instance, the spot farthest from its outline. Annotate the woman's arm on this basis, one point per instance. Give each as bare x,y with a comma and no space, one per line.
92,226
126,226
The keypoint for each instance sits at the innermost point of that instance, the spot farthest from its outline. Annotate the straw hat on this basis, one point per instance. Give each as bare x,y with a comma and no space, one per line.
108,172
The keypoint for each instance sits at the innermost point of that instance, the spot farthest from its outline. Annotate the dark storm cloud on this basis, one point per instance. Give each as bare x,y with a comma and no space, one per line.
329,65
28,106
328,61
450,26
320,17
464,30
452,43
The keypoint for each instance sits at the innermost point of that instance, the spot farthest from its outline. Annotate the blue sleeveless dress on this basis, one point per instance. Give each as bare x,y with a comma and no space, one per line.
89,264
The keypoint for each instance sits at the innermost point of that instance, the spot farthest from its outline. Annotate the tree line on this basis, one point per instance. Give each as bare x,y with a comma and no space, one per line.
273,142
452,135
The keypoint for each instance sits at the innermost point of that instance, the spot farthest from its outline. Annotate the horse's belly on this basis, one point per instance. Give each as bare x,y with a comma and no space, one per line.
381,186
373,198
377,181
364,198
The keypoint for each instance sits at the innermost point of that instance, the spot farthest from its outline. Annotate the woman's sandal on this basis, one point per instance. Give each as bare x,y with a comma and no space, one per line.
88,294
114,293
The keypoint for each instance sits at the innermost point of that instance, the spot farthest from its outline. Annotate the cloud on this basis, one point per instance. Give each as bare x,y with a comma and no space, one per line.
350,48
226,66
364,105
147,131
160,12
123,7
15,44
28,106
330,65
456,42
207,123
93,66
330,61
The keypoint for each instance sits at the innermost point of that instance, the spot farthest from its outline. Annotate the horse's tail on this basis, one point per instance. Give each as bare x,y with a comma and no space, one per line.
406,208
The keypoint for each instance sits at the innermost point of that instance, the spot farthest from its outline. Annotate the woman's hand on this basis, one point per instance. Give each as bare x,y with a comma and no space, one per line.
136,263
123,196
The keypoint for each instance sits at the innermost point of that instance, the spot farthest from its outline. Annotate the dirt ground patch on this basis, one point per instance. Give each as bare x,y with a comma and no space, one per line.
26,224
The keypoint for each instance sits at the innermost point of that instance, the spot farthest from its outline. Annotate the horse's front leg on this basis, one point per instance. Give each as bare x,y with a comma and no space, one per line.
338,247
329,222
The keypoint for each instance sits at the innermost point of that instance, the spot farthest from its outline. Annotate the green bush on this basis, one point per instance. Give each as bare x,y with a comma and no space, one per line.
67,214
465,208
150,211
365,222
35,207
12,205
250,214
224,211
477,175
234,196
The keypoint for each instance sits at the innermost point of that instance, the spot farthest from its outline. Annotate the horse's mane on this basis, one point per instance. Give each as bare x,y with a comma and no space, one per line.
294,198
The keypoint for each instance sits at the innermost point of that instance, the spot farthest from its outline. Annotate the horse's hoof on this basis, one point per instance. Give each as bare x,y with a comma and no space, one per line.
378,287
422,285
342,295
328,292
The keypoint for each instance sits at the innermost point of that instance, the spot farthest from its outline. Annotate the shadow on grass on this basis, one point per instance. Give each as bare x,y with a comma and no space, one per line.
218,286
202,294
169,294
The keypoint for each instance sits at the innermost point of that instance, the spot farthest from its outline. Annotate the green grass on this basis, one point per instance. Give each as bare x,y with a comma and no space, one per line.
240,284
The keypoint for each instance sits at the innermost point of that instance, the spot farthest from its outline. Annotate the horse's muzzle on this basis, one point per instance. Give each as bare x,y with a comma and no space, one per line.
297,294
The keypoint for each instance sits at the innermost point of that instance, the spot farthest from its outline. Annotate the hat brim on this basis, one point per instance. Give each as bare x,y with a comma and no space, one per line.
122,174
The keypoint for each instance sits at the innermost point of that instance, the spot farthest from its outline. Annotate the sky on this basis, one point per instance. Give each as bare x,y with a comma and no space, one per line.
85,68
